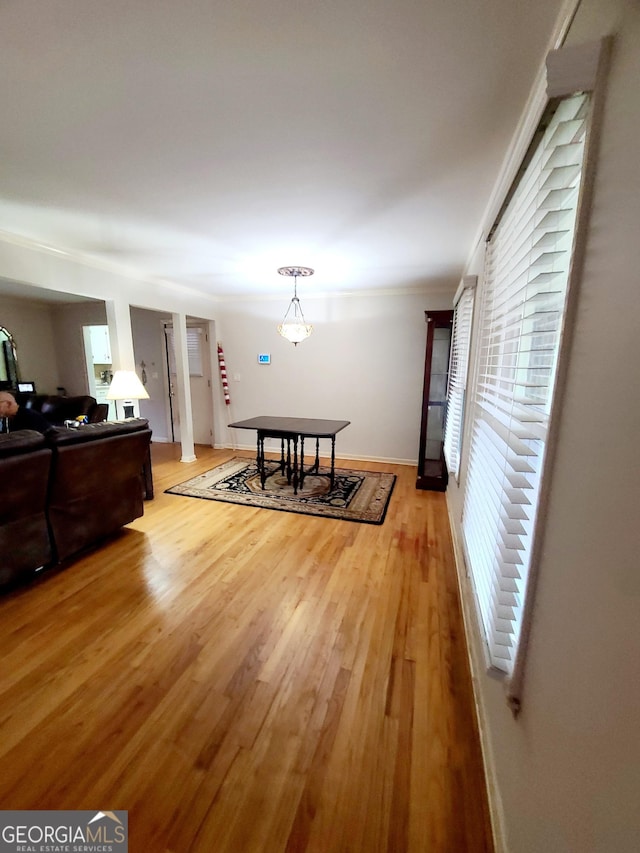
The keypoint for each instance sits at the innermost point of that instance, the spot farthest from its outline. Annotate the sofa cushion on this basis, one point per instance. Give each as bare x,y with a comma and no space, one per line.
20,441
91,432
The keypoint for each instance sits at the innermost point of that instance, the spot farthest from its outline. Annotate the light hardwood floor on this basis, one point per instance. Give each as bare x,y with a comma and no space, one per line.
247,680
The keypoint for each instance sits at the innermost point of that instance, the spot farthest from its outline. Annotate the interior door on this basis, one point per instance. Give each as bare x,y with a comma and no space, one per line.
199,382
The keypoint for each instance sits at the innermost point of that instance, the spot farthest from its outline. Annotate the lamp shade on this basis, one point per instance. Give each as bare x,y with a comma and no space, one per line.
125,385
295,331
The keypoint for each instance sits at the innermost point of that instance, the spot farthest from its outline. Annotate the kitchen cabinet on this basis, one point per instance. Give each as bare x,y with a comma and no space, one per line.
100,344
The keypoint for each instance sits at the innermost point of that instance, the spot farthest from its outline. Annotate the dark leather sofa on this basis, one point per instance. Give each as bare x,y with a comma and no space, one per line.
68,490
57,409
25,544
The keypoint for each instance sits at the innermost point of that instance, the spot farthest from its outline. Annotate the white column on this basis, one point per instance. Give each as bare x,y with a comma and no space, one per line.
121,341
183,387
120,334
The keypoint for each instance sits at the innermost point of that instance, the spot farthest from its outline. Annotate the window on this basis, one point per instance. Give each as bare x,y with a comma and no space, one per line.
194,350
458,366
519,330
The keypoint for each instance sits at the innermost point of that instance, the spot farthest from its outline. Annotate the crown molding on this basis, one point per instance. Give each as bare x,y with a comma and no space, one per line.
96,263
422,290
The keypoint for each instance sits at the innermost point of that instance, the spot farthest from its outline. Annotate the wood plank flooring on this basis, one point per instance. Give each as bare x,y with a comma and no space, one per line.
247,680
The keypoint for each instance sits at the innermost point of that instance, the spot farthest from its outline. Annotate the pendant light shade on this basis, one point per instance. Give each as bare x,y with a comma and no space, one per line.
294,327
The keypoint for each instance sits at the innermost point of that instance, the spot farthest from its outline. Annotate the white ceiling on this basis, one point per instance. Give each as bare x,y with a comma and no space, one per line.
208,142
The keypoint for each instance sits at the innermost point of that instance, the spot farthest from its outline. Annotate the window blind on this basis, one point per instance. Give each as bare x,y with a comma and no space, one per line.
519,330
194,350
458,366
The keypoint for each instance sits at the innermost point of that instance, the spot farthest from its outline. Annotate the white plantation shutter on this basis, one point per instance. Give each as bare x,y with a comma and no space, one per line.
194,350
458,366
519,331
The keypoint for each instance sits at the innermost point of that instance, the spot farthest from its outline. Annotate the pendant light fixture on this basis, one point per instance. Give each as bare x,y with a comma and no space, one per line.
293,327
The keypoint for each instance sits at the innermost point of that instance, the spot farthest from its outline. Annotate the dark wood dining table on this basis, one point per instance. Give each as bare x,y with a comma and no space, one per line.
293,431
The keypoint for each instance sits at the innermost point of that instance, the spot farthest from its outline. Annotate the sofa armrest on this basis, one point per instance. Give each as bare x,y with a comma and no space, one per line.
25,544
97,482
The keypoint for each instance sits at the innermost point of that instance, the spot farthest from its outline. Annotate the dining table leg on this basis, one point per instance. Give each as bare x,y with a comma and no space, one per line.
260,459
333,459
295,477
301,461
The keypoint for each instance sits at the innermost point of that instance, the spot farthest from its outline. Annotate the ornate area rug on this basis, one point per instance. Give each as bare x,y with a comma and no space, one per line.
356,495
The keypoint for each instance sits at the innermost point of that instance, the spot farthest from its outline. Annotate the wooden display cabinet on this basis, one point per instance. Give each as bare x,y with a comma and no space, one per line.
432,468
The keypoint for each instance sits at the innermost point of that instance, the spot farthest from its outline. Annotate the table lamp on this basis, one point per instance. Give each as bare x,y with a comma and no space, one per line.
126,386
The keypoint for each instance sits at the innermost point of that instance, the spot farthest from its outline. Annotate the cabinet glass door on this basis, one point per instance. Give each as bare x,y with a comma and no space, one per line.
432,469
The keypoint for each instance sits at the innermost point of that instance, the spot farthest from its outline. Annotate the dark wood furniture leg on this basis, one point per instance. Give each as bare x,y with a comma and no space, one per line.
147,477
260,458
333,459
288,460
295,464
301,461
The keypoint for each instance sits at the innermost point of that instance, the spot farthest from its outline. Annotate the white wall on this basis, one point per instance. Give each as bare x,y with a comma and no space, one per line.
34,266
364,363
148,342
68,323
50,346
567,770
31,324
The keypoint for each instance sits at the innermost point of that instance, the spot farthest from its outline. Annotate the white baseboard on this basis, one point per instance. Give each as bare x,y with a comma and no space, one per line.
354,456
478,672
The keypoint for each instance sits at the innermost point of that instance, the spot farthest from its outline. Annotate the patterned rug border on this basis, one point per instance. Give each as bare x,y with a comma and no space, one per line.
289,503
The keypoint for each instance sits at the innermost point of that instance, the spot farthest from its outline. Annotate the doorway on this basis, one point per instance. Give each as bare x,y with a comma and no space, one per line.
97,353
199,357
